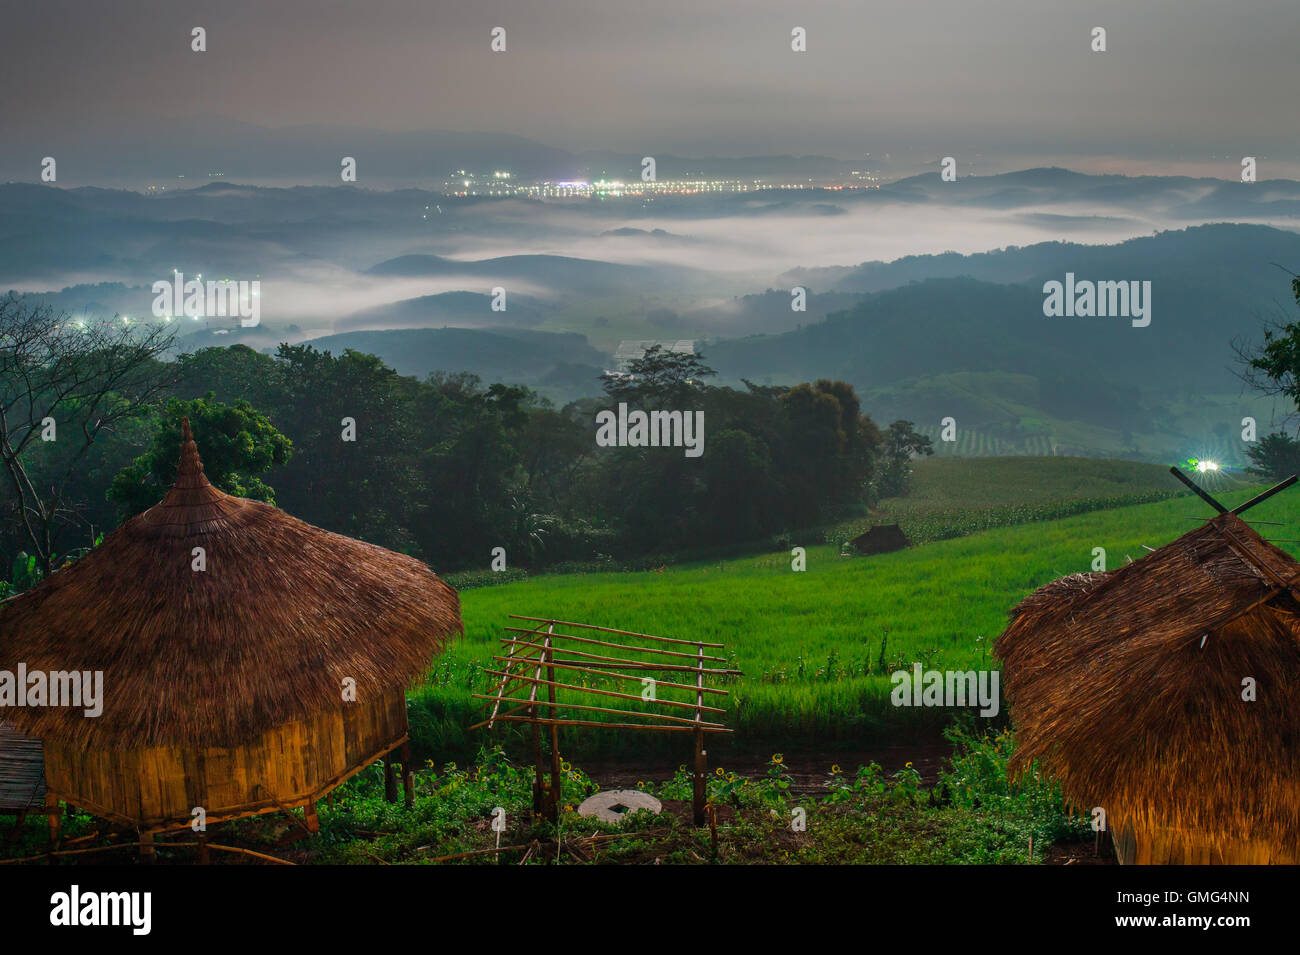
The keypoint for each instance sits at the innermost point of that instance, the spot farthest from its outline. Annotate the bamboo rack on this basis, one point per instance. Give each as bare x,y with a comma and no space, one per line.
545,647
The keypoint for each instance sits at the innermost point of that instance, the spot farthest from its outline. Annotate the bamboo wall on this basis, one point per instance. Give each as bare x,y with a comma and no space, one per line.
1163,845
286,766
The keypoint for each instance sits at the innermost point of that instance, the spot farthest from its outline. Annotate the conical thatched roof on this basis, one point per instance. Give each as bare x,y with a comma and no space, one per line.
283,614
1126,686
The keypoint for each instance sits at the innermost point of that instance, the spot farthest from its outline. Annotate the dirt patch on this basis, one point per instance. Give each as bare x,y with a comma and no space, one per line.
1091,852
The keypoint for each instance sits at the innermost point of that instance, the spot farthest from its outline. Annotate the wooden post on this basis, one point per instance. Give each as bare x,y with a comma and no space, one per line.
539,780
701,761
313,821
408,776
203,849
18,827
390,778
557,784
55,818
701,778
147,855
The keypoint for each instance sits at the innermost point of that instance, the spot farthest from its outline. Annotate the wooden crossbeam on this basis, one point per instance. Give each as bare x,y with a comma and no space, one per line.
631,664
623,646
600,692
1197,490
1266,494
706,728
605,709
626,633
624,676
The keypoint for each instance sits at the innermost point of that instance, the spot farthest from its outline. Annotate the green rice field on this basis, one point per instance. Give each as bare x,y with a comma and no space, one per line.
816,647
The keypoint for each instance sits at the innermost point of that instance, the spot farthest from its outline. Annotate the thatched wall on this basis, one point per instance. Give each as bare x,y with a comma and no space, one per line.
22,771
1160,845
286,766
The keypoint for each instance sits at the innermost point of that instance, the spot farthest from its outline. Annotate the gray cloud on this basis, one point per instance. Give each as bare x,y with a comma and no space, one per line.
1184,79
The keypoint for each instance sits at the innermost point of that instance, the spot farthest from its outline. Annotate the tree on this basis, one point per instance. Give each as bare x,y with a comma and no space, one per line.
737,503
659,380
901,444
1275,368
65,385
1276,456
237,444
356,478
830,451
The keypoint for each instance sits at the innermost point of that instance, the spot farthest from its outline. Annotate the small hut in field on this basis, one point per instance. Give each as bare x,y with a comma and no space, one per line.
1167,693
881,539
251,662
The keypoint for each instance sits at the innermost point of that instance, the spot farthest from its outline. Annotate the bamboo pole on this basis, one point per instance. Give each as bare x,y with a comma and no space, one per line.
623,646
1197,490
539,780
606,709
408,776
54,816
502,686
1264,496
390,779
701,766
561,665
600,692
544,721
133,845
625,633
637,664
557,783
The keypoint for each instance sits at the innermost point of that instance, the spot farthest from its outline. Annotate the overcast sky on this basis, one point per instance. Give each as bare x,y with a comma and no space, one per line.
1181,78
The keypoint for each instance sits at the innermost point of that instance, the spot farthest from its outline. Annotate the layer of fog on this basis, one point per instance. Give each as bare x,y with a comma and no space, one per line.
750,249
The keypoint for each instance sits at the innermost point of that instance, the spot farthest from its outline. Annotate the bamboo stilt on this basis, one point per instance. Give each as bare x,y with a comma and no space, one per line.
557,785
390,778
408,777
55,817
701,761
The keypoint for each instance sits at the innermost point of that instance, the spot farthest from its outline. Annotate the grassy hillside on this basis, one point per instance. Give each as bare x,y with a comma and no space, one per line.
816,647
969,340
951,496
999,413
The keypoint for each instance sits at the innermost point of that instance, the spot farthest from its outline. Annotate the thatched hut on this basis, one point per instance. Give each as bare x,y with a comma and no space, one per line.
251,662
1167,693
881,539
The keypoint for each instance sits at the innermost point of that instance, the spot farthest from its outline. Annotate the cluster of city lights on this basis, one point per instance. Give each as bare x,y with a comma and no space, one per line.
502,184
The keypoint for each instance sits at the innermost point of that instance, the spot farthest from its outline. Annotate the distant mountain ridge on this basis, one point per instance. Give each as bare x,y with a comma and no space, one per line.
560,365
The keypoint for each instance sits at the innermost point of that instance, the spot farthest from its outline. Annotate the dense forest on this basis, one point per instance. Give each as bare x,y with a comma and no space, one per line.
447,468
